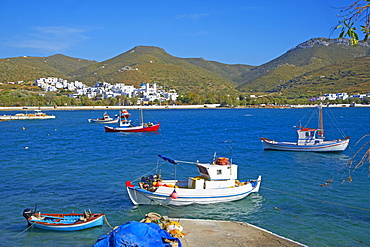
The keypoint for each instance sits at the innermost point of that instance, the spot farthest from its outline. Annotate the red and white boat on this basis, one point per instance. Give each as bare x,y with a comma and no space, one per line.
125,113
126,126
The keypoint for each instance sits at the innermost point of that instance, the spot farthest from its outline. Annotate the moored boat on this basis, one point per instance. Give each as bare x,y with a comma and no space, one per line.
105,119
37,114
217,182
63,222
126,126
309,140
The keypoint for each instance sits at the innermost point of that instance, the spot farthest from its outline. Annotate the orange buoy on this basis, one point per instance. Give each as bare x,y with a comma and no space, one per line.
174,194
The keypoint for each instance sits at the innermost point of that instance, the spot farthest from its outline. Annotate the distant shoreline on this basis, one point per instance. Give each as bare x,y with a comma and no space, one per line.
205,106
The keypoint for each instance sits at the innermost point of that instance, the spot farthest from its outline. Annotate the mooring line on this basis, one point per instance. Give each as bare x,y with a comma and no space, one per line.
106,221
313,199
23,231
276,208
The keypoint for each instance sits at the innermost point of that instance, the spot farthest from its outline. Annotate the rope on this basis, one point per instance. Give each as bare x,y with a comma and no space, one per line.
276,208
23,231
142,215
149,172
336,123
106,221
313,199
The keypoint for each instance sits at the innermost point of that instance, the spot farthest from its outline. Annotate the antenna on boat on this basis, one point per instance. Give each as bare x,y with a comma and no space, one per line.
214,156
231,149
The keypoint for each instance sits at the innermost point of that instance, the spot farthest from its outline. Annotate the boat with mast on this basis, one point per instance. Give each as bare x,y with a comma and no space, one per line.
126,126
217,182
309,140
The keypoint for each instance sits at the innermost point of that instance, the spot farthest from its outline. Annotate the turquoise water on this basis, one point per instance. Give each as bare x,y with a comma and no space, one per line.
72,165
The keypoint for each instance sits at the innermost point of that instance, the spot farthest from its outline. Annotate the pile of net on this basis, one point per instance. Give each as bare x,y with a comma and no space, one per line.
154,230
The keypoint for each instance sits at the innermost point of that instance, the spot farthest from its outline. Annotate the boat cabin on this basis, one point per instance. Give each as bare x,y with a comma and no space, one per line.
219,174
307,136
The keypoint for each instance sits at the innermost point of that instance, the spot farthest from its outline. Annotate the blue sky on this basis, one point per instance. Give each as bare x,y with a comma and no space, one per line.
231,32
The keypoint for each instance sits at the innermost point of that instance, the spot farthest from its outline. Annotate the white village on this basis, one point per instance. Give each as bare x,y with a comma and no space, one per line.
145,93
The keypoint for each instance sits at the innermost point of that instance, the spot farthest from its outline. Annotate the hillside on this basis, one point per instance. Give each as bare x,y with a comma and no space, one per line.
30,68
351,76
308,56
316,66
153,64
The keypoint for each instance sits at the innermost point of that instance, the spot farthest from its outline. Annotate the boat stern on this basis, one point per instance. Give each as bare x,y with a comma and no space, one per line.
27,213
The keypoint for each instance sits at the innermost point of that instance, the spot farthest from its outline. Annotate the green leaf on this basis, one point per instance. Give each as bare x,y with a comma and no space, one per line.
355,35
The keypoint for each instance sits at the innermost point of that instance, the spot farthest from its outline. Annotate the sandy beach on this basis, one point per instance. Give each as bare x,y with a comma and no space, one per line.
208,106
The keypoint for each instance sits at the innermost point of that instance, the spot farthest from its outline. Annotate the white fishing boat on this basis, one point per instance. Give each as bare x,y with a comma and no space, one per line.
105,119
126,126
309,140
37,114
217,182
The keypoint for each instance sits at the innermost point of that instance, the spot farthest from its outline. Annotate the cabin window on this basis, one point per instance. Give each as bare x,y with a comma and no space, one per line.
202,170
219,172
308,134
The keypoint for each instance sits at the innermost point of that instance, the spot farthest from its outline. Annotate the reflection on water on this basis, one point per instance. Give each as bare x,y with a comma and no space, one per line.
71,165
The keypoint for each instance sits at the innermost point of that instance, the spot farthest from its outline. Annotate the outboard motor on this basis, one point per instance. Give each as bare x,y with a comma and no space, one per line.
28,212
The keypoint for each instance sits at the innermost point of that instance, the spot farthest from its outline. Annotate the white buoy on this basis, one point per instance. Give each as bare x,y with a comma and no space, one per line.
25,147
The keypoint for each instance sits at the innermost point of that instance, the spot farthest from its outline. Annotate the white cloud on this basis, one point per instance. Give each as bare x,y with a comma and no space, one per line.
50,39
193,17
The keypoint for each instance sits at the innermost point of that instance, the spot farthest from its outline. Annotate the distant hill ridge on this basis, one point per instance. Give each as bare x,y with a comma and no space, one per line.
300,70
325,42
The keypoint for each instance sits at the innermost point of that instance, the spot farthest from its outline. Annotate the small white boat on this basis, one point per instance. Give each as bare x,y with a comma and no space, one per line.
217,182
309,140
105,119
38,114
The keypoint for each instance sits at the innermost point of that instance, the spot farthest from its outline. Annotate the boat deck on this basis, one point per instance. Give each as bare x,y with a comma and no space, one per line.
228,233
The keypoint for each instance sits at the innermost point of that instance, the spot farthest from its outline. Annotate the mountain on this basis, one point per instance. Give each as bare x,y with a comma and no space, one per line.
319,65
152,64
350,76
308,56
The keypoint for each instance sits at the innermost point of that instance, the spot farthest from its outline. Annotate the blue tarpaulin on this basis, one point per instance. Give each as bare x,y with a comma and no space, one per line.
136,234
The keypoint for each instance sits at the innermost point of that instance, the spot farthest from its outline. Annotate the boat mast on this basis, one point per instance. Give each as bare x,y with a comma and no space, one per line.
120,118
321,123
142,117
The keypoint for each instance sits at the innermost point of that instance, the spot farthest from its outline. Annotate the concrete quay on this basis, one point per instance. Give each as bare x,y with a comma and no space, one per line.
228,233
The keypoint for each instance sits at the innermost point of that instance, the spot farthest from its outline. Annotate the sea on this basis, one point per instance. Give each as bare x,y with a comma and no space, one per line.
67,164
